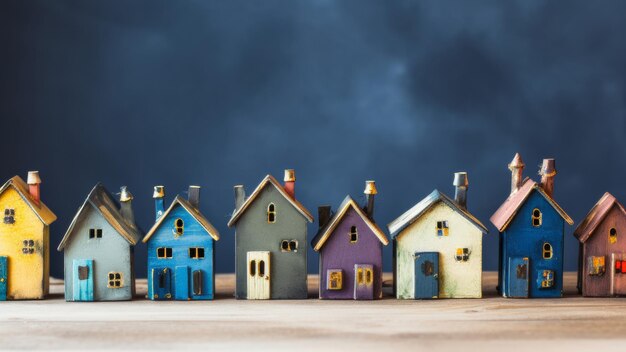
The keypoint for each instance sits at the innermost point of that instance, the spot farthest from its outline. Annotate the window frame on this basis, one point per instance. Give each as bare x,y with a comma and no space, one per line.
9,216
612,235
462,255
28,247
545,251
196,253
271,213
179,229
335,275
353,234
596,265
286,246
538,218
95,233
118,277
165,253
442,228
547,279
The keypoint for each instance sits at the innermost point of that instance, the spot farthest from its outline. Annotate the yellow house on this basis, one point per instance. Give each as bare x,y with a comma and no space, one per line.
24,240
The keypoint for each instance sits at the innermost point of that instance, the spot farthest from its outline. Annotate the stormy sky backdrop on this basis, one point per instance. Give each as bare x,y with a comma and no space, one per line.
218,93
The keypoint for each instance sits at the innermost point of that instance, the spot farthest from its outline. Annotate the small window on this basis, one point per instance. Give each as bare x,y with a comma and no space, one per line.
354,234
261,268
359,275
9,216
547,278
334,280
271,213
462,254
164,252
620,266
83,272
369,276
95,233
536,217
547,251
595,266
442,228
115,280
179,227
613,235
197,282
196,253
29,247
288,246
252,268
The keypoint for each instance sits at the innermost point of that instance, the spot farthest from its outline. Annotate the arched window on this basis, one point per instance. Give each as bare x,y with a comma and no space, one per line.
179,227
612,235
536,217
547,251
354,235
271,213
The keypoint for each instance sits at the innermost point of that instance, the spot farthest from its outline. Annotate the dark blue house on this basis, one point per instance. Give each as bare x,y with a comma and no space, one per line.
531,226
180,250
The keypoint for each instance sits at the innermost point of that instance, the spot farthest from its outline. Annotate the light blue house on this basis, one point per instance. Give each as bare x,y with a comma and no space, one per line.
180,250
531,226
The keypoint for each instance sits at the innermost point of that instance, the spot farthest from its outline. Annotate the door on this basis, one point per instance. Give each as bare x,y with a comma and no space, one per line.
518,277
258,275
181,280
426,275
161,283
82,280
363,281
3,278
618,274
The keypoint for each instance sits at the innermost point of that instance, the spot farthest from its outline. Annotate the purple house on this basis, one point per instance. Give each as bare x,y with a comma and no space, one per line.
350,248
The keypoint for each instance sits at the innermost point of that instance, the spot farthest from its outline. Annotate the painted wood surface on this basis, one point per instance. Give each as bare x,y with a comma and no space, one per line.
426,275
493,323
259,278
82,284
3,278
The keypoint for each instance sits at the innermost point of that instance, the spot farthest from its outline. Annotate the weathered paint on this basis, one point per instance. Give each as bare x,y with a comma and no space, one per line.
426,271
259,279
522,240
339,253
82,283
288,273
3,278
518,279
456,279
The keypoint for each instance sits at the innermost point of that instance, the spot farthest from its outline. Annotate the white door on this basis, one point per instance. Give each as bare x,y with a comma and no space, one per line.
258,275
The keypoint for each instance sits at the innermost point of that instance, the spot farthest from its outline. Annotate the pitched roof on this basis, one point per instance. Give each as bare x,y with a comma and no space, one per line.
269,179
104,203
503,216
43,213
410,216
596,215
324,233
193,211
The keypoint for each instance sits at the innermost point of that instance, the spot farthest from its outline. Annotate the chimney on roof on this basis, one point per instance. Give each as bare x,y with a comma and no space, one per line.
193,195
240,196
517,168
460,189
370,191
323,215
290,182
34,181
547,172
159,198
126,208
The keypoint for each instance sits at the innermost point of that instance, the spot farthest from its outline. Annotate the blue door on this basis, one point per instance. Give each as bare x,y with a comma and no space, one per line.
181,282
518,277
426,275
3,278
82,289
161,284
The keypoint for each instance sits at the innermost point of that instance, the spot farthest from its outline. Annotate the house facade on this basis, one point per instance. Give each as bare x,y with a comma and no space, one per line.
270,241
24,240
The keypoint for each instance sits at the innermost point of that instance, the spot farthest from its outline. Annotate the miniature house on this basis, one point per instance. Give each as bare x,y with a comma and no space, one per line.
270,241
438,247
531,226
98,249
350,246
24,240
181,244
602,261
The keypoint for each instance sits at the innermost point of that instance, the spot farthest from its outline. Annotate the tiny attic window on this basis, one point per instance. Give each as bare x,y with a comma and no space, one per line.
442,228
547,251
612,235
536,217
179,227
271,213
354,234
9,216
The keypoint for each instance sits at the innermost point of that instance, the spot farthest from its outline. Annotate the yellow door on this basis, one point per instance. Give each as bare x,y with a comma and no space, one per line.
258,275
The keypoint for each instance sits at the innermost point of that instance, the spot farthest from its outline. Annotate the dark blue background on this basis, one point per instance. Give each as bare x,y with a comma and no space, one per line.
217,93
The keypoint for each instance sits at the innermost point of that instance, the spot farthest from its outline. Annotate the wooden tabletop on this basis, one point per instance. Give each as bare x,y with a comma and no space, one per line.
487,324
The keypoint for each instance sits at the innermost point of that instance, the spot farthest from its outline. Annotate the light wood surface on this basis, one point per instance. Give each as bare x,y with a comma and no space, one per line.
487,324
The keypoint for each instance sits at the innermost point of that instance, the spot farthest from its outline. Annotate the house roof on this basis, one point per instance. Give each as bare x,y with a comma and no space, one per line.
503,216
43,213
193,211
410,216
596,215
269,179
104,203
325,232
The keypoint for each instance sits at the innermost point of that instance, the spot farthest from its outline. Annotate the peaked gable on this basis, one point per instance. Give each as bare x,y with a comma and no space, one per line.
596,215
191,210
269,180
102,201
325,232
43,213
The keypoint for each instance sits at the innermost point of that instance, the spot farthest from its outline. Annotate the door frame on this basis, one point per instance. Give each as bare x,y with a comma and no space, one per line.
435,275
258,278
82,287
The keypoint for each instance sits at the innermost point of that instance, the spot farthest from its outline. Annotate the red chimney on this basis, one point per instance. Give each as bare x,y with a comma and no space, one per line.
34,181
290,182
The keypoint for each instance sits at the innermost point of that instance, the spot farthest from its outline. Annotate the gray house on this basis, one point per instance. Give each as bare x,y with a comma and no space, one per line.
270,241
98,249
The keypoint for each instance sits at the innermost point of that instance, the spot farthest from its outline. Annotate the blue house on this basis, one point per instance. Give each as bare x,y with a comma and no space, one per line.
180,250
531,226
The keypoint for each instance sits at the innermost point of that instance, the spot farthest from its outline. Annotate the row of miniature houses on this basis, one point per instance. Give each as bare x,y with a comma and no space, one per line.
437,245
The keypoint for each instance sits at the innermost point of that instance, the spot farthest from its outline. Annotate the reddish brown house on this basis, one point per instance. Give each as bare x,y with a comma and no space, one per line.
602,257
